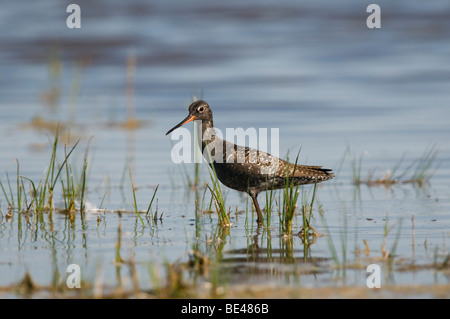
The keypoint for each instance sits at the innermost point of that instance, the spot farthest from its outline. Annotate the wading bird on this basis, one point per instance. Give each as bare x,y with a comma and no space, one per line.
246,169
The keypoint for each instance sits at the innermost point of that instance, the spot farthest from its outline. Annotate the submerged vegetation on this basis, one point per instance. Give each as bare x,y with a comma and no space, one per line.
211,269
217,197
419,171
289,203
40,196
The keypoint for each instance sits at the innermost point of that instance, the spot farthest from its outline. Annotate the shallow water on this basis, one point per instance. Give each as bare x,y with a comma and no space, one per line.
334,88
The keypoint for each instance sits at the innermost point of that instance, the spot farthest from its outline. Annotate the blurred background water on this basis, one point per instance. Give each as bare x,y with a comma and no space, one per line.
333,87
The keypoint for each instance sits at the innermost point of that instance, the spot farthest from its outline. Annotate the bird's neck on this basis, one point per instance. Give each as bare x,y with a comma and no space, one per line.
205,133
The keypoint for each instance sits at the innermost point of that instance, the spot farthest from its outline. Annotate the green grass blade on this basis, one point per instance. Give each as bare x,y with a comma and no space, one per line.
151,201
134,199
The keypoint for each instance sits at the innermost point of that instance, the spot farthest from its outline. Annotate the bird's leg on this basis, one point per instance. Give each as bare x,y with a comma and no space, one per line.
258,211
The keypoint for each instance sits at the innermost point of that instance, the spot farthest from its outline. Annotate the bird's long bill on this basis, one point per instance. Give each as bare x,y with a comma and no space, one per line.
188,119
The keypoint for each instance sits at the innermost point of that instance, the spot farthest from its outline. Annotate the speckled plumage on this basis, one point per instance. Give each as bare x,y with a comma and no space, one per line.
246,169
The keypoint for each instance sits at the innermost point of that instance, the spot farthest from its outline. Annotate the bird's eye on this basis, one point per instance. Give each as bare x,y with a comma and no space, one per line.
200,109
